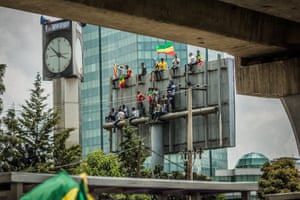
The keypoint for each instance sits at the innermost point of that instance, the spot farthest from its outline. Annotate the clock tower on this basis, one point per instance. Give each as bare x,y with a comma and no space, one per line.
63,65
62,49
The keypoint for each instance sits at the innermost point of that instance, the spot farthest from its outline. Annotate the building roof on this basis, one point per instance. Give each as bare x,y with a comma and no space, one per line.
252,160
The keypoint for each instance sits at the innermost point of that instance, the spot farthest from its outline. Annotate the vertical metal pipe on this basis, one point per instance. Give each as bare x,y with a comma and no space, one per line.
110,107
210,164
206,75
190,136
171,130
219,101
206,96
101,90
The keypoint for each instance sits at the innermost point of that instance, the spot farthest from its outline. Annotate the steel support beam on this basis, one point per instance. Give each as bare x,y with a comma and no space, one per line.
166,117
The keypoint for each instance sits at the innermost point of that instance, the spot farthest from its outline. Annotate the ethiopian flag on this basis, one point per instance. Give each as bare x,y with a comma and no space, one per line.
166,48
122,82
60,187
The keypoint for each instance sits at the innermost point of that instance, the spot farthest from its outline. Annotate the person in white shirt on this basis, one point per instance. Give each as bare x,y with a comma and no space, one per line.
120,117
192,61
175,64
135,112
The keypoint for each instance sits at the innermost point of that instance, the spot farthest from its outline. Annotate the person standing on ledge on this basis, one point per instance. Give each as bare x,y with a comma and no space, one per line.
175,64
129,71
143,72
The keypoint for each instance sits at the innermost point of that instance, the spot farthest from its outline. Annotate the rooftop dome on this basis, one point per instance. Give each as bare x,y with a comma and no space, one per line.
252,160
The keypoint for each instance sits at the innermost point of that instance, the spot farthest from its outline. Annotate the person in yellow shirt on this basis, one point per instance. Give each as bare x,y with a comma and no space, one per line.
162,66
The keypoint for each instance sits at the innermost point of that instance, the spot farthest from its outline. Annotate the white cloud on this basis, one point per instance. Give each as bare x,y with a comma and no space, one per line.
21,51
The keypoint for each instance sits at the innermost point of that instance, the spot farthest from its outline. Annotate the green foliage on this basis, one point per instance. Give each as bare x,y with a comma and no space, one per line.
2,86
27,138
11,156
99,164
159,173
133,153
279,177
65,158
36,123
127,163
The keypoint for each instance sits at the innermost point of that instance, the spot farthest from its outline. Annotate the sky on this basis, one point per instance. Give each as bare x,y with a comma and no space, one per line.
262,125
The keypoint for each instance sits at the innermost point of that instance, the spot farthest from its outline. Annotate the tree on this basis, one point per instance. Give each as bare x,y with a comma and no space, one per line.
28,138
10,158
2,86
37,125
133,154
67,158
98,163
11,149
279,177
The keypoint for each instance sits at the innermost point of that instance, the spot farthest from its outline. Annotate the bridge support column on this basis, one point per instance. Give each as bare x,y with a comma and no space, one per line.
291,105
157,144
16,191
245,195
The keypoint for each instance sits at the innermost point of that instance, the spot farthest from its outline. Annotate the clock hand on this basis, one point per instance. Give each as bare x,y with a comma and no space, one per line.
58,54
55,51
62,55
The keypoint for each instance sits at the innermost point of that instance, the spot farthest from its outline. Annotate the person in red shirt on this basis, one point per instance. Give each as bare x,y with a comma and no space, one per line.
140,97
129,71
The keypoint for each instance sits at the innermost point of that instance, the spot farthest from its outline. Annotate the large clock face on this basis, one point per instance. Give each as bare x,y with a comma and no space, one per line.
58,54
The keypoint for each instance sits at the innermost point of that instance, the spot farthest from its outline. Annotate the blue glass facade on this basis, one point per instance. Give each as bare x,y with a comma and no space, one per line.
91,98
104,47
206,165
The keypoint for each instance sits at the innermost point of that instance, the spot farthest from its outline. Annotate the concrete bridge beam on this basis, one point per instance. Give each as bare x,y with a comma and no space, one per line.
272,79
207,23
291,105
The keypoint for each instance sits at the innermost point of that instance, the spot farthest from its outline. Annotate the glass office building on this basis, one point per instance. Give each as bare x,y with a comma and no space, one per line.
104,47
247,169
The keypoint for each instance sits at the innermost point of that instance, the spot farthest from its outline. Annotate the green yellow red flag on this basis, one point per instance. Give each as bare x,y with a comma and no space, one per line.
166,48
122,83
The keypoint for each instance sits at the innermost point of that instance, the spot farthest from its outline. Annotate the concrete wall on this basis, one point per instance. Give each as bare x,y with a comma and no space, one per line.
273,79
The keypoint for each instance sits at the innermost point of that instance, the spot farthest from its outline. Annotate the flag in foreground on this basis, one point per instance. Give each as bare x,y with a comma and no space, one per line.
166,48
60,187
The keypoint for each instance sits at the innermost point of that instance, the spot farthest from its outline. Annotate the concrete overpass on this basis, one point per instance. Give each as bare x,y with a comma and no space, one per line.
13,185
262,35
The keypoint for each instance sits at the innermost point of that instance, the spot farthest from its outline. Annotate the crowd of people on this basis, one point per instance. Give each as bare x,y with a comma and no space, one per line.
159,104
125,71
